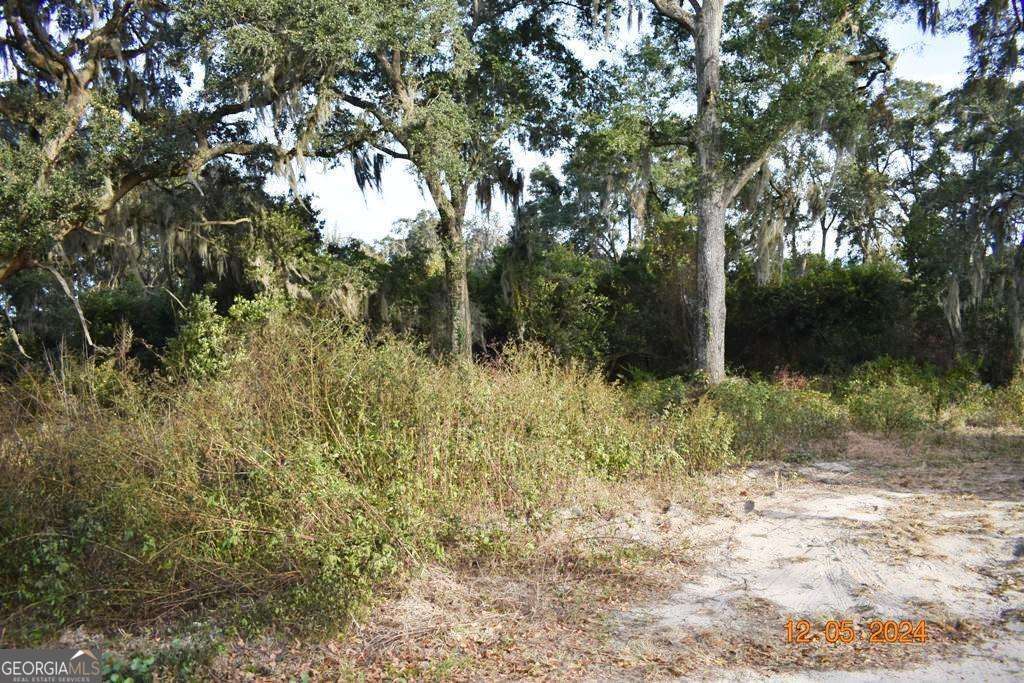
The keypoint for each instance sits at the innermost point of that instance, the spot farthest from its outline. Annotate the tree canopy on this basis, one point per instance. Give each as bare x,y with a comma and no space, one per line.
698,155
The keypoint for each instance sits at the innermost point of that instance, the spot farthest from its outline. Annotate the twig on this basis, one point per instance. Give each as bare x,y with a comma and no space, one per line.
74,301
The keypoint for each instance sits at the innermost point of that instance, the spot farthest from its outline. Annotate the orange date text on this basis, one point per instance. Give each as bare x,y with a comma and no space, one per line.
889,631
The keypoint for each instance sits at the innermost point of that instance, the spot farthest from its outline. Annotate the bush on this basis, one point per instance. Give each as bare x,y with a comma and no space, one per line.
309,468
827,320
772,419
198,352
659,395
553,298
703,436
889,408
1007,404
955,398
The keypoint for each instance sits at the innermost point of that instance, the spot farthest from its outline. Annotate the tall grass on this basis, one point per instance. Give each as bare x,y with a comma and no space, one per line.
313,467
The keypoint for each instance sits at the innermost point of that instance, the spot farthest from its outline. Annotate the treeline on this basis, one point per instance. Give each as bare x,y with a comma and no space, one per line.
838,213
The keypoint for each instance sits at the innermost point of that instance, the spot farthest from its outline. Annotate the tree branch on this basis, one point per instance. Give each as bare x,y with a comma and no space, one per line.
237,221
868,57
674,11
20,261
14,334
74,301
390,152
743,177
15,22
386,122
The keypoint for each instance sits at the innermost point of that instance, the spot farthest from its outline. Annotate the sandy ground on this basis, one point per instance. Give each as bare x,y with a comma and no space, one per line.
877,535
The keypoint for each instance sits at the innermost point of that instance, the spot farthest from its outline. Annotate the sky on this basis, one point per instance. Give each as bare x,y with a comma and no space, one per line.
348,212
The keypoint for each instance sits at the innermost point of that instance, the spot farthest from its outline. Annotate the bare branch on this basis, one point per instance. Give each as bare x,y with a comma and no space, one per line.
674,11
15,22
386,122
859,59
14,337
74,301
390,152
237,221
19,262
743,177
30,16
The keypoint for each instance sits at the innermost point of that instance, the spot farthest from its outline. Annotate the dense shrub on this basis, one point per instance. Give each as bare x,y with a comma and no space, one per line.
889,408
48,323
312,466
772,419
198,351
1007,404
893,395
703,436
826,320
553,298
660,395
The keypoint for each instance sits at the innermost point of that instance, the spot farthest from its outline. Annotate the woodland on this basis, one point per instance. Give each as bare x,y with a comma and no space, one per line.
747,236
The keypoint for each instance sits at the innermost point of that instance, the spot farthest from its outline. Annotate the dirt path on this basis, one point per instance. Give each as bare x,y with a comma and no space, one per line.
878,535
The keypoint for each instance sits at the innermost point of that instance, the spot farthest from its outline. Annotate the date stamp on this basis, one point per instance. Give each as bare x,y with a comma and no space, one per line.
887,631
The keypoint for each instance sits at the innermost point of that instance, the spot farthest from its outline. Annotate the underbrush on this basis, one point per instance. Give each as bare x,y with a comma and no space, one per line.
889,408
774,419
282,469
894,396
767,419
793,415
303,469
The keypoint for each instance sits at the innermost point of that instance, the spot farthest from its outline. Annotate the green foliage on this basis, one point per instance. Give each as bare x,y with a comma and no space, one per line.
957,386
895,396
148,313
659,395
772,419
830,319
28,222
1006,404
179,659
553,298
260,309
900,396
704,435
895,408
137,669
650,323
310,468
198,352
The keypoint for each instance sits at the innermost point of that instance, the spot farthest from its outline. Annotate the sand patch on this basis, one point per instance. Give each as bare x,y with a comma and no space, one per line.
812,549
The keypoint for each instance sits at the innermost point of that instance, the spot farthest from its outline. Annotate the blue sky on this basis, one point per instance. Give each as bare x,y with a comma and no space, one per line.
347,212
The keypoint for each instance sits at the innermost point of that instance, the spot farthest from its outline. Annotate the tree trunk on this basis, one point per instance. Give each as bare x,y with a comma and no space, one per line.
1015,289
951,311
459,330
709,349
451,212
768,265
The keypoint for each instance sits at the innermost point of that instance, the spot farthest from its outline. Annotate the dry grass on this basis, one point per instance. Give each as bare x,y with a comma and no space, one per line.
317,468
550,601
